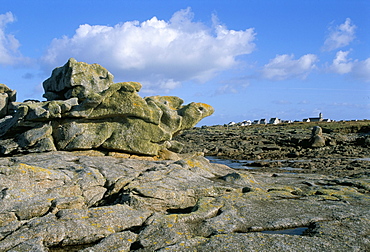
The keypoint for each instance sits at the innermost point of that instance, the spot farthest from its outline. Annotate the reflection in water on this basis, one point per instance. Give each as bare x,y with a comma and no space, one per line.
236,164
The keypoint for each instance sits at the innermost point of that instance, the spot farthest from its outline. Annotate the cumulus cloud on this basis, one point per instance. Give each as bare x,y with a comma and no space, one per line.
356,68
340,36
9,54
158,53
284,67
341,64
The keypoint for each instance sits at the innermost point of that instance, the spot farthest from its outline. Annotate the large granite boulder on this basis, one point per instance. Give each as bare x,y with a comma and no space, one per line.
86,110
76,79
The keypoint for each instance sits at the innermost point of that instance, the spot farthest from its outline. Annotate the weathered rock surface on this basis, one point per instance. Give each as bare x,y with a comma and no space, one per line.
66,201
86,110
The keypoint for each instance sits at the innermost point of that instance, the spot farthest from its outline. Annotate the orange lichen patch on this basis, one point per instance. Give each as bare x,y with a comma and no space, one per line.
25,168
206,106
96,224
193,163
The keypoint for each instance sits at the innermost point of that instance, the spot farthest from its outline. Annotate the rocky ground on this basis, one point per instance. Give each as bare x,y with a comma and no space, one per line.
85,201
278,148
96,168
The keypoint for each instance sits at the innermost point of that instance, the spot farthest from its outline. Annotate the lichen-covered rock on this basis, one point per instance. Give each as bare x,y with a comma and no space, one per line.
76,79
7,96
86,110
66,201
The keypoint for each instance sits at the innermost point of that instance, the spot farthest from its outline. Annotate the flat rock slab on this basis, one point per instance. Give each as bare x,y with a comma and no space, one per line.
63,201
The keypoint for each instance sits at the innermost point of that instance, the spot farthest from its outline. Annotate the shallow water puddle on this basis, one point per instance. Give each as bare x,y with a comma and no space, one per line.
290,169
243,164
291,231
236,164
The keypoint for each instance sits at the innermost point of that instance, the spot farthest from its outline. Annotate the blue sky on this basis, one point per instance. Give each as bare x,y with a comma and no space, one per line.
248,59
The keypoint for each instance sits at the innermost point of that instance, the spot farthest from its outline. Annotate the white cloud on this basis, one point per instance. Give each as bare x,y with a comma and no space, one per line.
226,89
341,64
340,36
9,45
156,52
285,67
362,70
356,68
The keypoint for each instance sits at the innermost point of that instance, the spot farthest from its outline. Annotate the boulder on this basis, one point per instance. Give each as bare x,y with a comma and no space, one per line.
317,140
76,79
86,110
7,96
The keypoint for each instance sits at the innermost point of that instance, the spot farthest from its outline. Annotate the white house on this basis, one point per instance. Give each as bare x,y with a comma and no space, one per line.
246,123
274,120
263,121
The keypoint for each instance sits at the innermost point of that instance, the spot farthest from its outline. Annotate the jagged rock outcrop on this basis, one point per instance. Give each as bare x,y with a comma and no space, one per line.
86,110
65,201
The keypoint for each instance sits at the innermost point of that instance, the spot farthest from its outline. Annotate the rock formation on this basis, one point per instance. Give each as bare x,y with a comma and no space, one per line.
86,110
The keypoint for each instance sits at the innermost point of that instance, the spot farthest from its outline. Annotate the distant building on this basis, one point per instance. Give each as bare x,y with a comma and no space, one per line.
246,123
263,121
274,120
317,119
256,122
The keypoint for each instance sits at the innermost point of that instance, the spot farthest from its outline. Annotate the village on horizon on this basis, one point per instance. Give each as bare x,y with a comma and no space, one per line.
275,120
